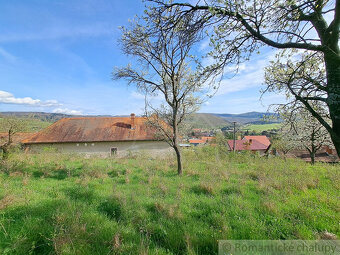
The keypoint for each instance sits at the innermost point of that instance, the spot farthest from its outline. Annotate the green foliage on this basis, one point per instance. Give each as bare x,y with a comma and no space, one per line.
66,204
262,127
30,125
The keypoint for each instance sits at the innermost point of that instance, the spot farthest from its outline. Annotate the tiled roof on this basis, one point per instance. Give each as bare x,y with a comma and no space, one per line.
196,141
241,145
260,138
94,129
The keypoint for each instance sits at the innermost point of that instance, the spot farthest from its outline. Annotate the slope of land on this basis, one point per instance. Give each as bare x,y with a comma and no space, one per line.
248,118
30,124
206,121
65,204
43,116
258,128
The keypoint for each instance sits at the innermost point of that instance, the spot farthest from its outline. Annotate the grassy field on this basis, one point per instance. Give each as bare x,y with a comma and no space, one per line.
206,121
30,125
262,127
65,204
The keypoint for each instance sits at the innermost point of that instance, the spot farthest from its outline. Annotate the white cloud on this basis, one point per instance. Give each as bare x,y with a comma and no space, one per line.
57,32
8,98
6,55
204,44
250,75
67,111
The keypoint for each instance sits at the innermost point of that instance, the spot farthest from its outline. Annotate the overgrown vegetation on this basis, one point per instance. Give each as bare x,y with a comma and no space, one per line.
31,124
65,204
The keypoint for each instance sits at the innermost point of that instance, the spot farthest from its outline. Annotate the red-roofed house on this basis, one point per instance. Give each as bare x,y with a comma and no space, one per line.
196,142
260,138
245,145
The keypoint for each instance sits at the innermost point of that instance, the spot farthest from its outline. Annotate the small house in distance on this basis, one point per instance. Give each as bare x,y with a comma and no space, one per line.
196,142
101,135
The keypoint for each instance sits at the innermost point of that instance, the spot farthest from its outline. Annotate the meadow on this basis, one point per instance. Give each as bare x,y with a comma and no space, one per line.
258,128
68,204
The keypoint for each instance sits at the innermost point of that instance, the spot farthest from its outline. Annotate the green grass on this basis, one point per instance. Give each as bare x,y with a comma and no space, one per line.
205,121
65,204
34,125
30,125
262,127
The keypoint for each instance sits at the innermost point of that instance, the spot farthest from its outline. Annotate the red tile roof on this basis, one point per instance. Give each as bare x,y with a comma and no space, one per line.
196,141
260,138
241,145
94,129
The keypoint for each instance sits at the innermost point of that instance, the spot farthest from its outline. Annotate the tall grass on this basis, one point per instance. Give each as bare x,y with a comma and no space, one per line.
67,204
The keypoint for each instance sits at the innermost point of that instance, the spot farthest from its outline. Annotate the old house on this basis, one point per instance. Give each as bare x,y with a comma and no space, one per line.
101,135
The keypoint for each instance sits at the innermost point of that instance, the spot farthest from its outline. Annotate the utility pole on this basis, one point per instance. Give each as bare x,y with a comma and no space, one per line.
234,142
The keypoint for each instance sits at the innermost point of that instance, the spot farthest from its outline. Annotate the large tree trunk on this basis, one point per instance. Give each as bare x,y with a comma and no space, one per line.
333,101
312,158
179,160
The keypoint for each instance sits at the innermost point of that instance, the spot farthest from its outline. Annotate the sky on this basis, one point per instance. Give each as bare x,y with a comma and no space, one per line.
58,56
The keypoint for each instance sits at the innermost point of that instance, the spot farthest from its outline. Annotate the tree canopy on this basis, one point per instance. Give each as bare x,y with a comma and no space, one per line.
238,28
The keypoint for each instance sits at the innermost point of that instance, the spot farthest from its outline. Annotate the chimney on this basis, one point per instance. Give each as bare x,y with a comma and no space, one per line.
132,116
250,141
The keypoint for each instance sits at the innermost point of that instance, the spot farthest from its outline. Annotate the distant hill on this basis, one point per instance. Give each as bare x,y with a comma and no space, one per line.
248,117
206,120
43,116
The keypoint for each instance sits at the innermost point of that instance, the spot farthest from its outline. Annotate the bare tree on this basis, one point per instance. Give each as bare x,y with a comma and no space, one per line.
163,69
238,28
11,126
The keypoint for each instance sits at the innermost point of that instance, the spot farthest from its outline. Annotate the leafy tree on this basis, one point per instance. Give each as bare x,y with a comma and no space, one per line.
11,126
239,28
283,144
303,131
163,69
221,139
304,82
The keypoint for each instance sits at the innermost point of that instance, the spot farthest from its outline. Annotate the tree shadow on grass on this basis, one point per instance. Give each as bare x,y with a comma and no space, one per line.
58,175
112,208
79,193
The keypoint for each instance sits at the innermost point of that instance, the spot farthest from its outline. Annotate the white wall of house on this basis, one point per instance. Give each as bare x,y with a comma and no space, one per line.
104,148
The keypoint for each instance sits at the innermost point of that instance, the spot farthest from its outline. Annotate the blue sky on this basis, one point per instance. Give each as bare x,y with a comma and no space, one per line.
57,56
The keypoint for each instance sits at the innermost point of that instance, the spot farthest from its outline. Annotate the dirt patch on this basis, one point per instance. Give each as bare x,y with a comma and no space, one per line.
6,201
